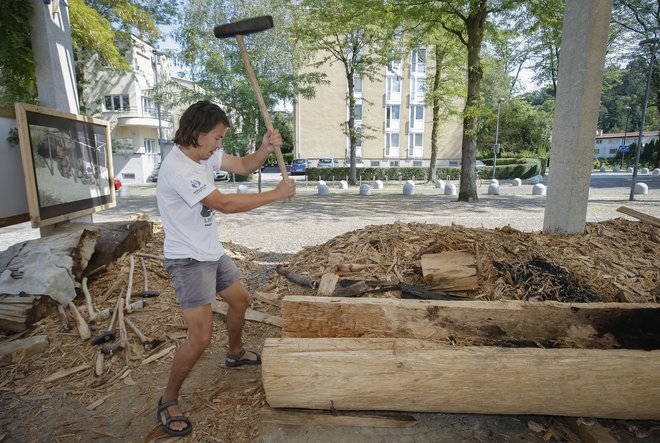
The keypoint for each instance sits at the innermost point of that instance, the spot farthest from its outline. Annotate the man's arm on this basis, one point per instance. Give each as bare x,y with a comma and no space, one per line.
250,163
232,203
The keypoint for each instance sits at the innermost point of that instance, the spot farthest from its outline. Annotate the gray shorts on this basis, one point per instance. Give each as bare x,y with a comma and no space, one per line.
196,282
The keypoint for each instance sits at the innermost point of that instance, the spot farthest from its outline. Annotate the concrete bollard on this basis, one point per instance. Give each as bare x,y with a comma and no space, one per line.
321,183
535,180
516,182
323,189
494,181
342,184
365,189
656,171
411,182
378,184
644,170
538,189
242,189
616,169
629,170
440,184
494,189
409,189
603,169
641,188
450,189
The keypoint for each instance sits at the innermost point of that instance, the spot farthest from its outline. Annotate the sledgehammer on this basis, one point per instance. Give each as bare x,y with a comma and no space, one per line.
238,29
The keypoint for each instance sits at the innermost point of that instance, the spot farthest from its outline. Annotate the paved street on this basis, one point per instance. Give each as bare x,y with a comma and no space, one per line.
287,227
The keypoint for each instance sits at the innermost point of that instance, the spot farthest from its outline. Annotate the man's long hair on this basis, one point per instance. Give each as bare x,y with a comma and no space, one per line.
199,118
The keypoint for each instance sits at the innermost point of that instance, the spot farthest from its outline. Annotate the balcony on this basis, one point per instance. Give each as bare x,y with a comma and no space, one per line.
147,119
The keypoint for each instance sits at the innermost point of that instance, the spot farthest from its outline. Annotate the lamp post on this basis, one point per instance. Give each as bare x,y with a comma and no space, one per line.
496,147
158,53
625,133
653,42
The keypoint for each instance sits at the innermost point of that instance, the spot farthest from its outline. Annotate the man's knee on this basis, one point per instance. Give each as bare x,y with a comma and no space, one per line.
201,340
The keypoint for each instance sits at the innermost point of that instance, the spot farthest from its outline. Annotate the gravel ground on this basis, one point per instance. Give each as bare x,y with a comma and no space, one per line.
287,227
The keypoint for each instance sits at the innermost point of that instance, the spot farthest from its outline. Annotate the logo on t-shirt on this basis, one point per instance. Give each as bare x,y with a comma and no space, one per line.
197,186
207,215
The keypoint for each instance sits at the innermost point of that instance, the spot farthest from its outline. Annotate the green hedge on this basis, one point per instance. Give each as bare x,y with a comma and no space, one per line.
510,168
379,173
506,169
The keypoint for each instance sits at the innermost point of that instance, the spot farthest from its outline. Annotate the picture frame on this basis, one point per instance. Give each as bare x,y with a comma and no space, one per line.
67,163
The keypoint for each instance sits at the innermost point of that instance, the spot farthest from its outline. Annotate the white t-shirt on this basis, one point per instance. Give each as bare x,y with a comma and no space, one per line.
190,228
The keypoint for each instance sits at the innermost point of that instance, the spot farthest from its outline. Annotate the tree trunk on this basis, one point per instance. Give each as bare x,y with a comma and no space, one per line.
435,131
352,179
475,26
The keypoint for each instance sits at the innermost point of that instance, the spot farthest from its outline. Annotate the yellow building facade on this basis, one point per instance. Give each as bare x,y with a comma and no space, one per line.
391,108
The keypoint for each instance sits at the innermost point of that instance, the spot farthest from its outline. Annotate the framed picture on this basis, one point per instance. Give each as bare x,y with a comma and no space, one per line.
67,163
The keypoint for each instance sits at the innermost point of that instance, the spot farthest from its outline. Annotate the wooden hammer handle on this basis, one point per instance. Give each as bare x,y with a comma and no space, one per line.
260,102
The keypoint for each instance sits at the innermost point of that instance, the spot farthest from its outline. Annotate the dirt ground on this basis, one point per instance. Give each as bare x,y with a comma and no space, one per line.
224,403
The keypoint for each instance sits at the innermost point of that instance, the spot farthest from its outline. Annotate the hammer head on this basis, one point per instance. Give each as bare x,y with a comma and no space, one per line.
244,27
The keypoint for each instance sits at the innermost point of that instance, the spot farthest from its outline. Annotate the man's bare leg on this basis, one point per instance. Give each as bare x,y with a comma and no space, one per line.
237,298
200,329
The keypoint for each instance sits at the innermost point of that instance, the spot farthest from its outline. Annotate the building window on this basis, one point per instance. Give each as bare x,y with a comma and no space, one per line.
128,176
358,112
148,107
417,117
394,164
393,116
418,61
117,103
393,89
417,89
613,151
357,84
598,142
391,144
416,144
150,145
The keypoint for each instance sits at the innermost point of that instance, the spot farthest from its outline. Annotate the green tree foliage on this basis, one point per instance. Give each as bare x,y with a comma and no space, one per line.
352,34
17,78
216,66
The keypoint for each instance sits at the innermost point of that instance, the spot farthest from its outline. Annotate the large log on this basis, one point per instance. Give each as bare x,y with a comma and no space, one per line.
423,376
511,323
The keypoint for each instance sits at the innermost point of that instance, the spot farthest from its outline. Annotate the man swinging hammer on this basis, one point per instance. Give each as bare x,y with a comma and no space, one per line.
194,257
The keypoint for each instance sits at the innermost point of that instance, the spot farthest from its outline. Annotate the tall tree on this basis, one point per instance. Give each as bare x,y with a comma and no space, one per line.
216,66
347,32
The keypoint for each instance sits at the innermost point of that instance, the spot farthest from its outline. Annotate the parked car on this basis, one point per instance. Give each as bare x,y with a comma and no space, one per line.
298,166
220,176
326,163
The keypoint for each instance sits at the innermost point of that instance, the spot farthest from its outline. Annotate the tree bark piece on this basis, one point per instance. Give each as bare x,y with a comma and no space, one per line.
422,376
29,346
514,323
590,431
220,307
328,284
451,270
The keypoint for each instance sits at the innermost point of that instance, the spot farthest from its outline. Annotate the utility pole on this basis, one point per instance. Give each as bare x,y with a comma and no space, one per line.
496,147
653,42
625,133
157,63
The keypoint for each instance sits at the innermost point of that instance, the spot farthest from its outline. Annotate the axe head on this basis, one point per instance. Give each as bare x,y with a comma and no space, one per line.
244,27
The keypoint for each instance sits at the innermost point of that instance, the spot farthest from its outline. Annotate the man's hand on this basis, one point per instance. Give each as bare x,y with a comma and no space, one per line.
271,139
286,189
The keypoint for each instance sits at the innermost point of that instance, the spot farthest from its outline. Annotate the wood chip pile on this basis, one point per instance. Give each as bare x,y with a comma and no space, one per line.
614,261
617,260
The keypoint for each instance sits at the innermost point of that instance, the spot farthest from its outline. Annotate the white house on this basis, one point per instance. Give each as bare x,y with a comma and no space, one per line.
125,99
607,145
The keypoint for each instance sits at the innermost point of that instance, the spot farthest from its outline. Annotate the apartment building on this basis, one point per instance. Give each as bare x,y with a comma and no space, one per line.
391,110
608,145
140,131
